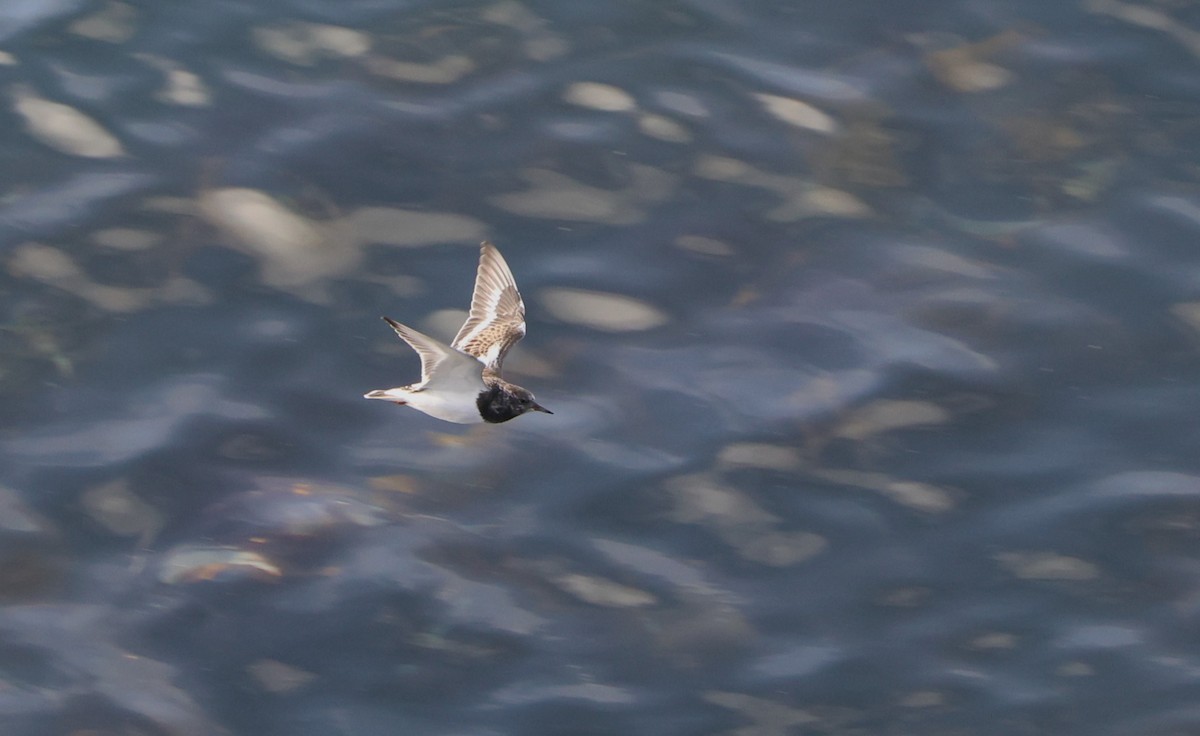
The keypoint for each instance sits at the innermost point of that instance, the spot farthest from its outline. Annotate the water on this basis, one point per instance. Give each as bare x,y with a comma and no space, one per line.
870,333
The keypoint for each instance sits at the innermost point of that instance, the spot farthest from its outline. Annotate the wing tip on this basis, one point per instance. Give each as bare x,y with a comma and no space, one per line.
405,332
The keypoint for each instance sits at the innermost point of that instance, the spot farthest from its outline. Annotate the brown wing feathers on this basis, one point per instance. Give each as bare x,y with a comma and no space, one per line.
497,317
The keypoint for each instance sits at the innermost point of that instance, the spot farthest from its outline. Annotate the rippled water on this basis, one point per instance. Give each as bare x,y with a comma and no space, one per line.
870,331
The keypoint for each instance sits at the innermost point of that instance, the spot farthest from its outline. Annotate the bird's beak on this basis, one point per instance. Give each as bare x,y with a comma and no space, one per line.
542,409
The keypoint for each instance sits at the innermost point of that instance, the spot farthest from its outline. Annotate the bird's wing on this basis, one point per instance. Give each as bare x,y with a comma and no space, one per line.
497,319
440,363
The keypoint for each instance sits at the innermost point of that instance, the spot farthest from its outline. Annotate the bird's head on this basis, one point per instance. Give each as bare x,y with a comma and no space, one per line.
501,403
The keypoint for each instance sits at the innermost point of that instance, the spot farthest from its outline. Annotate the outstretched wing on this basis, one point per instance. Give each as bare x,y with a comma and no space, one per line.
432,352
497,318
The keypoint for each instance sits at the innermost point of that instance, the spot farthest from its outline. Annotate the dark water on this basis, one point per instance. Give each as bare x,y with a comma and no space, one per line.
870,331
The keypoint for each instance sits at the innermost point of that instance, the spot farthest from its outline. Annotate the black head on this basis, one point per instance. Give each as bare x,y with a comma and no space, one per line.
499,403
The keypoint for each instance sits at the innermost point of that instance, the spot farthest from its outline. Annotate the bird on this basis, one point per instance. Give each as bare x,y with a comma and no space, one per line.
461,382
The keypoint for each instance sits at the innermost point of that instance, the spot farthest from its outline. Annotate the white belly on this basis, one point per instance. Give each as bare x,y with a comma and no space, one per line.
458,407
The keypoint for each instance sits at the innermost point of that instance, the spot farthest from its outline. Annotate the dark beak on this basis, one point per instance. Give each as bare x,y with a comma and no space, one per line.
539,407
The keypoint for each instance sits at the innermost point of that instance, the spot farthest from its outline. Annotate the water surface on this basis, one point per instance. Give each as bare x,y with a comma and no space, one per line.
870,332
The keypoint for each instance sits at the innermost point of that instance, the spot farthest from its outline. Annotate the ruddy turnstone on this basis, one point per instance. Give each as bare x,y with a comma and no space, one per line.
454,386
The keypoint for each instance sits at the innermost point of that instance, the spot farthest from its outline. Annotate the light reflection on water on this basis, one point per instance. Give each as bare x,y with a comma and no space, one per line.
869,336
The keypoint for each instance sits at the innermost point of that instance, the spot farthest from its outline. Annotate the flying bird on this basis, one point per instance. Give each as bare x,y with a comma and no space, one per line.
461,382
